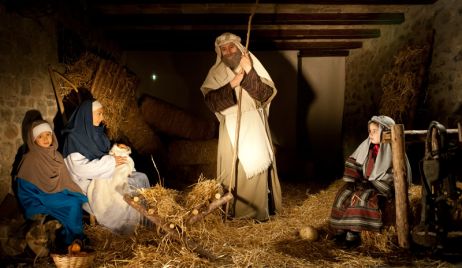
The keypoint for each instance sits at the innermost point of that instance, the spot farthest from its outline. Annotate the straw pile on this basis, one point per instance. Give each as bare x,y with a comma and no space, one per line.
164,203
245,243
402,85
81,73
202,192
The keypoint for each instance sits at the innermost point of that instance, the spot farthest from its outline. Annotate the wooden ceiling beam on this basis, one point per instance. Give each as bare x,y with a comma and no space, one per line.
142,20
323,53
198,35
223,6
170,7
257,45
294,45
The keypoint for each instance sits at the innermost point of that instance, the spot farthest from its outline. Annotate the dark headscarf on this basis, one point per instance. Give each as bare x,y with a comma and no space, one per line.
44,167
84,138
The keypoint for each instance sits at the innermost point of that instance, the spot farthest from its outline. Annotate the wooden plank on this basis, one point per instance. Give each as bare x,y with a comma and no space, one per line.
223,7
214,205
196,33
292,45
323,53
263,45
400,183
424,132
139,20
317,34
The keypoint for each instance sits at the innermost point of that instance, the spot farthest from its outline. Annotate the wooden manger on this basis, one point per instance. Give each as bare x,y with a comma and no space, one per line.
176,230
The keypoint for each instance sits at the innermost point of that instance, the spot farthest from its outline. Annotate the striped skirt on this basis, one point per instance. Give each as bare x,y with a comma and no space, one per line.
356,209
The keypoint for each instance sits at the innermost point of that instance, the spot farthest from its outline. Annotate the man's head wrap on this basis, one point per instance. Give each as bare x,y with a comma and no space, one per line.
220,74
225,39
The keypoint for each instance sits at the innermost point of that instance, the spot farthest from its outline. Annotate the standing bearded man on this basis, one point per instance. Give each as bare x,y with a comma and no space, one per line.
255,186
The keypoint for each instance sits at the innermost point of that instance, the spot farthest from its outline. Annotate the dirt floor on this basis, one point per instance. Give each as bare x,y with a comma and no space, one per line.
244,243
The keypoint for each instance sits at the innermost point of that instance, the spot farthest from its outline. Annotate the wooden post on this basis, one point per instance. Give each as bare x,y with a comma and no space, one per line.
400,182
92,220
459,128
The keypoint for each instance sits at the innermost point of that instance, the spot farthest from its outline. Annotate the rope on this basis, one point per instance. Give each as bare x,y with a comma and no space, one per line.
238,120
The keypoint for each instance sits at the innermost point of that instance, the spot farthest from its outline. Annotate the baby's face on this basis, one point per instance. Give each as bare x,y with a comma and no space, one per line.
44,139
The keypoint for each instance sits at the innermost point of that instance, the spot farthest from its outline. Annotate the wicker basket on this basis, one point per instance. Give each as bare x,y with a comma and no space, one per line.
79,260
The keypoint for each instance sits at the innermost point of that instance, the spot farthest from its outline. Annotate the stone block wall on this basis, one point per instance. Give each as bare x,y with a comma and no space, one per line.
27,47
365,67
445,80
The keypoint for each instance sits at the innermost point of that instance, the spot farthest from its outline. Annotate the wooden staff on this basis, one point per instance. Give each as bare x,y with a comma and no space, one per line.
238,119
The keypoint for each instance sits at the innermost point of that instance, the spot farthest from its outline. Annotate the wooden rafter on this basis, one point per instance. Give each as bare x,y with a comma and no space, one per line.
242,7
118,21
195,35
256,45
158,25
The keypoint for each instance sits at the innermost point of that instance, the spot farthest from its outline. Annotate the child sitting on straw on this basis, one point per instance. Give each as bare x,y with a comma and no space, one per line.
44,185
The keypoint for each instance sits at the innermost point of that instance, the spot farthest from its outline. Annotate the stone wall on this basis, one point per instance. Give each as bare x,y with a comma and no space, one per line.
365,67
445,80
27,46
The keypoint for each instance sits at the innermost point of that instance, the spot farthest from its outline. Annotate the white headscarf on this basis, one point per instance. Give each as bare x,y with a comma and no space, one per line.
383,161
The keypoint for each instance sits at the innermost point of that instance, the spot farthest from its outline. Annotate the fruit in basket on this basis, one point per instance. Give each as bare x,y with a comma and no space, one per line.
74,248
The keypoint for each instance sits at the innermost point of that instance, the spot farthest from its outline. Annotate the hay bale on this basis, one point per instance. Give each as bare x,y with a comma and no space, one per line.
184,152
114,86
187,160
184,175
171,120
140,135
403,84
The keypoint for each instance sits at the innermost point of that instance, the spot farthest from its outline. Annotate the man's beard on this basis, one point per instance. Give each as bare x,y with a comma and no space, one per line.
233,60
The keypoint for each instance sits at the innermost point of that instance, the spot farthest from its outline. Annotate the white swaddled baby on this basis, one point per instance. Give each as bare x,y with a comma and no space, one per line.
104,194
122,172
